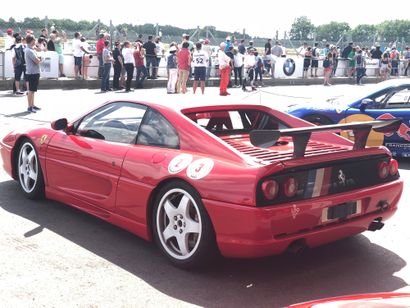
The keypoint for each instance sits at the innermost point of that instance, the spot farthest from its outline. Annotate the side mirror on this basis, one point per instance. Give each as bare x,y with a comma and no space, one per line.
59,124
366,103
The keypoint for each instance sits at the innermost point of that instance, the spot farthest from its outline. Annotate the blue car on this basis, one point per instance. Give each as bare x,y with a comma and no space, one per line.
385,100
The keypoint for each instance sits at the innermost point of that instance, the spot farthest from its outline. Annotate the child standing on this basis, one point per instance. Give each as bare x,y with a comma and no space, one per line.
172,68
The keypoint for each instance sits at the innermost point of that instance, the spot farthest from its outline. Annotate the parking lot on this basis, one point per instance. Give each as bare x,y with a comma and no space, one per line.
53,255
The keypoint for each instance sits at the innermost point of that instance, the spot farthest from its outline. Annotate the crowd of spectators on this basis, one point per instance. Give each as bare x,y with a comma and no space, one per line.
235,59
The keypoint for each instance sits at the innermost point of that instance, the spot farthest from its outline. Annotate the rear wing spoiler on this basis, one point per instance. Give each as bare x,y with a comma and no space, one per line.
301,135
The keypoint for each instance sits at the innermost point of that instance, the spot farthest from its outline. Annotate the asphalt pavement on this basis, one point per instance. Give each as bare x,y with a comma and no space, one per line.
52,255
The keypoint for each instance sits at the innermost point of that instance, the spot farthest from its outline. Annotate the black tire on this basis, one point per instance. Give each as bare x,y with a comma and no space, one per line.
178,210
29,172
317,119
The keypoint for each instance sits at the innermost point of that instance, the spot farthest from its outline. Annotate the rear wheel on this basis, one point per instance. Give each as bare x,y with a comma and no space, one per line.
182,228
318,119
30,175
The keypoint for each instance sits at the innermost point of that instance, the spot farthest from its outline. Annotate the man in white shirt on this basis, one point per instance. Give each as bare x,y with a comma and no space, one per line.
78,54
200,60
224,70
128,54
159,50
250,64
302,50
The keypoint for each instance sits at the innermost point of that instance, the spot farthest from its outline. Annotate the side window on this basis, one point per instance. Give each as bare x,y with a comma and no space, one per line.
399,99
116,122
156,131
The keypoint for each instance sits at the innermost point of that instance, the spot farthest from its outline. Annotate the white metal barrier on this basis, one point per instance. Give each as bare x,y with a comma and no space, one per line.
289,67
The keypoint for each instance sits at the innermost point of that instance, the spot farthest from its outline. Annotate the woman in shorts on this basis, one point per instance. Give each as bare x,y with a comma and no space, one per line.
385,66
328,68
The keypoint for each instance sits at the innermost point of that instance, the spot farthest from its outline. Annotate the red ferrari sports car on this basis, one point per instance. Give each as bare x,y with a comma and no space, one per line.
240,180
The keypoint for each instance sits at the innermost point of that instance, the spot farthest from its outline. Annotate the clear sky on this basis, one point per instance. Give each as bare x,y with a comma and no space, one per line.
259,18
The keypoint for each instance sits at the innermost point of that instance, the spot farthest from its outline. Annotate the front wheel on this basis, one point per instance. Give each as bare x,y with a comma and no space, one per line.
182,228
30,175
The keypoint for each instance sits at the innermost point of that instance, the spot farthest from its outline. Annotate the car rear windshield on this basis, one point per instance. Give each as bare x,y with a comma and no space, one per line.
229,121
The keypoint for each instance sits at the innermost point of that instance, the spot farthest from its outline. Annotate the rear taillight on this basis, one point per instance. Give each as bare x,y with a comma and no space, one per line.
394,167
290,187
383,169
270,189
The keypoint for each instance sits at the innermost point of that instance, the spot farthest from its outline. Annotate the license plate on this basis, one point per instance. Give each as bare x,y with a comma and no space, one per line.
343,210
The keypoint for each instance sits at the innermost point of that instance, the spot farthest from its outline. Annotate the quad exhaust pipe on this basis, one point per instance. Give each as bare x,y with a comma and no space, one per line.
375,225
297,246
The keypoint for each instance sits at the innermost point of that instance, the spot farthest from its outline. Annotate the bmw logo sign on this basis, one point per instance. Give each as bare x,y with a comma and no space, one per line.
289,67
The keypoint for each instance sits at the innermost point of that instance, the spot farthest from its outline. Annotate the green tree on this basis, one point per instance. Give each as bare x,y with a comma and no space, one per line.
364,33
302,29
332,31
33,23
394,29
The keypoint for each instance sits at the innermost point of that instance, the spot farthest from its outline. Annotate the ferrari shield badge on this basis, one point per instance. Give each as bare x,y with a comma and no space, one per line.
43,139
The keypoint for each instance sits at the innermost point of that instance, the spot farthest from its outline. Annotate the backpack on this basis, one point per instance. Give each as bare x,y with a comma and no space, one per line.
359,60
20,61
326,63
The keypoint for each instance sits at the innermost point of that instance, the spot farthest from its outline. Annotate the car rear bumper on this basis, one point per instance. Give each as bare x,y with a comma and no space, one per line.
247,232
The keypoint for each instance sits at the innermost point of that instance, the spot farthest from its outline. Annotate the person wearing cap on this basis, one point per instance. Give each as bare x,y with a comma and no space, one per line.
9,40
19,64
172,68
200,62
224,69
228,44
